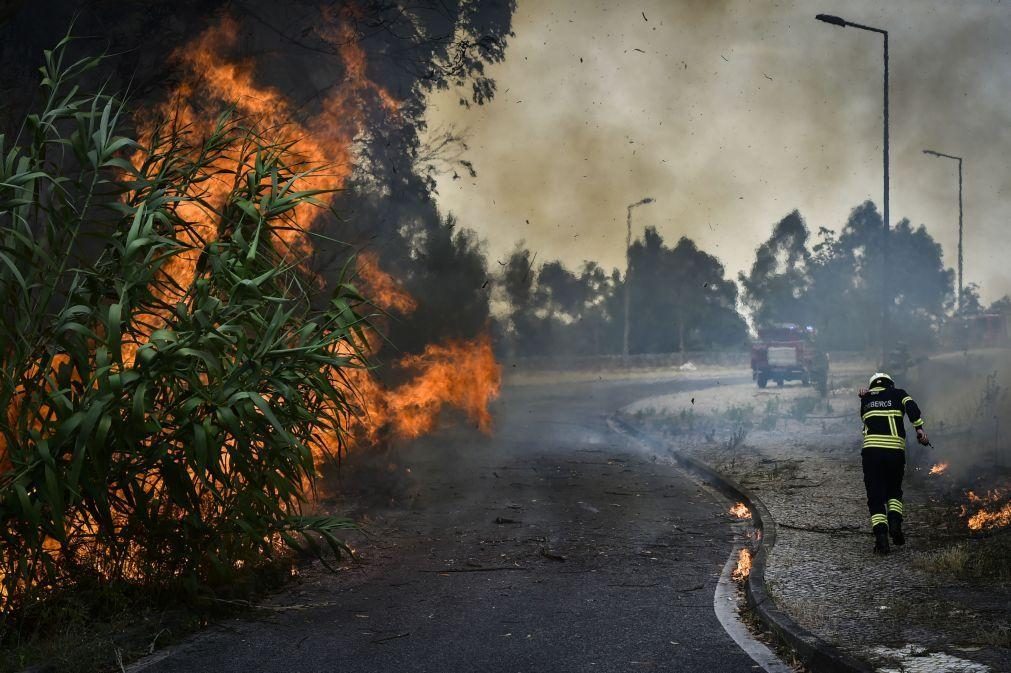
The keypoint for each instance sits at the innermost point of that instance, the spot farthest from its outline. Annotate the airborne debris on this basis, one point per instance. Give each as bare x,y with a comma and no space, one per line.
389,638
548,554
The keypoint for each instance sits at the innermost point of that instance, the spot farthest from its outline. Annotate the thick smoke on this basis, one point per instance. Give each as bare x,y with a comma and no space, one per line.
732,115
966,401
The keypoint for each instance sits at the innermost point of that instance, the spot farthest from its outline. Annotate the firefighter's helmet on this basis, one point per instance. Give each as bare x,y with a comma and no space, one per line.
880,376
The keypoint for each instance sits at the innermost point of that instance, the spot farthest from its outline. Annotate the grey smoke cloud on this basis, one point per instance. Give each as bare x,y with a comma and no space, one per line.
731,114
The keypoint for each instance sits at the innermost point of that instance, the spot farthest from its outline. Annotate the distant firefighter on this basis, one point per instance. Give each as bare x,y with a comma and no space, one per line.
884,454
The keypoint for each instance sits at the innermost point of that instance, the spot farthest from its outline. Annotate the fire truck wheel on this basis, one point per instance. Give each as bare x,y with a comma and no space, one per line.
762,380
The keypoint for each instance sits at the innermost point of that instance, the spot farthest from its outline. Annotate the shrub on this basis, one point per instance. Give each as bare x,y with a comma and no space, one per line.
802,408
166,379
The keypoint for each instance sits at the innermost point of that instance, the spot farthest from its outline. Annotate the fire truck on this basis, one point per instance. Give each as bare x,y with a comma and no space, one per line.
786,352
985,330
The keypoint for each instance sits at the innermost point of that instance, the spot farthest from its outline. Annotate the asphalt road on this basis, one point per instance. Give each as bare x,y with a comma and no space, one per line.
553,545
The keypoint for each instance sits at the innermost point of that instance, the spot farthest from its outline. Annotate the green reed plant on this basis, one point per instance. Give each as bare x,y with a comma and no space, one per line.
158,431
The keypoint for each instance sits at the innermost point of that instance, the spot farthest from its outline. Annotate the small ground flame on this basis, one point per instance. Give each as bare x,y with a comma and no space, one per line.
743,568
988,511
939,468
741,511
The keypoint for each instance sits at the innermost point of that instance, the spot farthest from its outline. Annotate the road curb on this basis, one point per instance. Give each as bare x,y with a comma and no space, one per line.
818,655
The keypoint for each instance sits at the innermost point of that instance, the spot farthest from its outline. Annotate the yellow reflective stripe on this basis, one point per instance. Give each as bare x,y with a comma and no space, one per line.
881,414
891,424
876,390
880,442
877,519
888,439
895,506
918,422
905,399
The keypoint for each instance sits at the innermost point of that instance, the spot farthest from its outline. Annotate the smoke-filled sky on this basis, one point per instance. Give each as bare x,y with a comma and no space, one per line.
731,114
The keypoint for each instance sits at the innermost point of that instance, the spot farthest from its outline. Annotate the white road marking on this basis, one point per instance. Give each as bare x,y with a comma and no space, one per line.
914,659
725,606
725,598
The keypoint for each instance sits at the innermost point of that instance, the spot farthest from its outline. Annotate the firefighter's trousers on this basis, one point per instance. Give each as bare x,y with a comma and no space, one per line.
883,469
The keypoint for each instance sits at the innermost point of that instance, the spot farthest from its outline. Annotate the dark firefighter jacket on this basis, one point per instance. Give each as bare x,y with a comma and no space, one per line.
881,410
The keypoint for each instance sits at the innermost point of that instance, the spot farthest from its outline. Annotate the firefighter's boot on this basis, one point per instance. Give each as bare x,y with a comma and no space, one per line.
895,529
881,538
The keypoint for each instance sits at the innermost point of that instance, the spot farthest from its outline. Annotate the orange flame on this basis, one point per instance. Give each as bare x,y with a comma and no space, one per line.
993,510
938,468
741,511
743,568
381,288
458,374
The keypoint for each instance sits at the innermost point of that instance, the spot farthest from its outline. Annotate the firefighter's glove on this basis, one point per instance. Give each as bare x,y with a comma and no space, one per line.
921,437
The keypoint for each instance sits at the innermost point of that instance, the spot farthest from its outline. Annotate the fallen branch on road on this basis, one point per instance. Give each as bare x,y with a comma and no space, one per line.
389,638
842,530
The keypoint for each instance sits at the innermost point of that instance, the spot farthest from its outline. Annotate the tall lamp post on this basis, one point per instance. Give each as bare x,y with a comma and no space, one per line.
843,23
961,287
628,266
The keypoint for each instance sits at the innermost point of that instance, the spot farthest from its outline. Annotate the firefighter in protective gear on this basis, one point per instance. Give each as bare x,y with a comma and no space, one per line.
882,406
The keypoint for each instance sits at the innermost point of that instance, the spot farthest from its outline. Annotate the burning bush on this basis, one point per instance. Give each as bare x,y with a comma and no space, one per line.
160,427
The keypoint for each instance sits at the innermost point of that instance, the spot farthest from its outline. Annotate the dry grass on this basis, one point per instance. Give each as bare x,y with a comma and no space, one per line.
984,559
950,561
999,635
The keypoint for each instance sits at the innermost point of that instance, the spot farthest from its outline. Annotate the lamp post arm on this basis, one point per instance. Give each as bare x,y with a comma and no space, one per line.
942,154
861,26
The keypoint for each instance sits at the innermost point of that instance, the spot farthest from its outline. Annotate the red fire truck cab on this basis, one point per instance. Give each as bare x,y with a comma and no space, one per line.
786,352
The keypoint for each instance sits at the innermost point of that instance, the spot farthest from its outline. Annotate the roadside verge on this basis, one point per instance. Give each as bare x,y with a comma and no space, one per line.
811,650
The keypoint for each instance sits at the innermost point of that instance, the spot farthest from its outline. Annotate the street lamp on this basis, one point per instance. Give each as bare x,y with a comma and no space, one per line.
628,266
959,160
843,23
